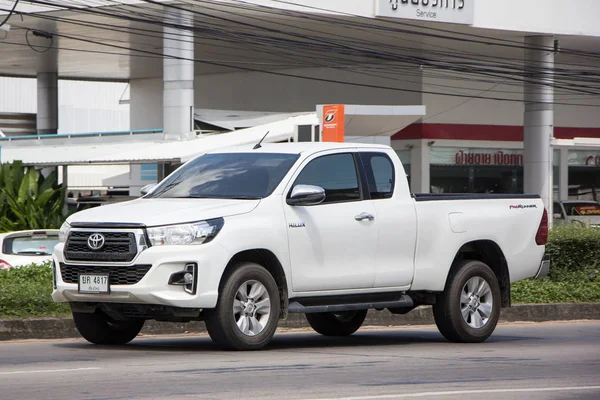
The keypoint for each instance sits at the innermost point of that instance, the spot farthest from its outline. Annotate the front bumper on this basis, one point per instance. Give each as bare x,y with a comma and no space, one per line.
153,288
544,268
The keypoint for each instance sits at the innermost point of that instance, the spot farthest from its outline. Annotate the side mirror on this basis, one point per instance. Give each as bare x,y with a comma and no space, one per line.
557,216
147,189
306,195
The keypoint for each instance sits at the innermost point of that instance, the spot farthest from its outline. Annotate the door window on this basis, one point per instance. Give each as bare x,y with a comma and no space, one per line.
336,174
380,174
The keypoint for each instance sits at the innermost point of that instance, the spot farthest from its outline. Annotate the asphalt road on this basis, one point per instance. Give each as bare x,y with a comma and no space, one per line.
532,361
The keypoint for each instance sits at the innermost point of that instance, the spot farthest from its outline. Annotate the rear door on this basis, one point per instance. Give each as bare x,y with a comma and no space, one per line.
396,220
331,246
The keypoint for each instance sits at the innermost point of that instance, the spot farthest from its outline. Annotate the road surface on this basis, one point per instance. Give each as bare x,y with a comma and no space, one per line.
533,361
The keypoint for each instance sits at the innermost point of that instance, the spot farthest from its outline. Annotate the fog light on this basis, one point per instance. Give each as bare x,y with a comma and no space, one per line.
186,278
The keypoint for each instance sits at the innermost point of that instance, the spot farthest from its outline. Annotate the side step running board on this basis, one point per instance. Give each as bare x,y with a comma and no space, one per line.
402,301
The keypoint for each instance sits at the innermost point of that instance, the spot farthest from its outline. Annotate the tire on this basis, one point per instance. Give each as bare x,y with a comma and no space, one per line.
461,317
249,296
97,328
336,324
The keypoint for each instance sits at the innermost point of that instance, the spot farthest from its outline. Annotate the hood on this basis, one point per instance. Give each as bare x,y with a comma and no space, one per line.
163,211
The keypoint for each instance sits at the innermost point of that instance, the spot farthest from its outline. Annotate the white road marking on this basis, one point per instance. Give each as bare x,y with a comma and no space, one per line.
48,371
459,392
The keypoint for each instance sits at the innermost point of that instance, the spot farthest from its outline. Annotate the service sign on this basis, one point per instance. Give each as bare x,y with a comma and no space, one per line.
453,11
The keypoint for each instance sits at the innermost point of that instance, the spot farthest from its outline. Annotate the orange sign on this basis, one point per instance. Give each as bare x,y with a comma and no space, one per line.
333,123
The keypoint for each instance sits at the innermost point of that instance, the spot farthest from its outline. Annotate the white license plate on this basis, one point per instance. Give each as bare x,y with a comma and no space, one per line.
96,283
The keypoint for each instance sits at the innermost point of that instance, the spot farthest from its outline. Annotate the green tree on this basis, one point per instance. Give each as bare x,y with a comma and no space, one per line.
28,200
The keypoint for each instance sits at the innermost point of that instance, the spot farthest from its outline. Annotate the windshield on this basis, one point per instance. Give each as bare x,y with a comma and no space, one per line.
582,209
227,176
31,246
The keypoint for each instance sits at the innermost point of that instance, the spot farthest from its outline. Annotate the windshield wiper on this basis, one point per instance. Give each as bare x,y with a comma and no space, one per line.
37,253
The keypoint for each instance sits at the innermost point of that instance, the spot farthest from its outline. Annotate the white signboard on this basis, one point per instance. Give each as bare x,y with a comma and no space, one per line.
453,11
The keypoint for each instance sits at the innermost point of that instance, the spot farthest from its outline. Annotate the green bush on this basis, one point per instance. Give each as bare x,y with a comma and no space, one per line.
574,252
546,290
28,200
574,277
25,293
574,269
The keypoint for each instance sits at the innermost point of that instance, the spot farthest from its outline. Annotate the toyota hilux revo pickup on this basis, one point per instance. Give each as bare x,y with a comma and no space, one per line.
241,237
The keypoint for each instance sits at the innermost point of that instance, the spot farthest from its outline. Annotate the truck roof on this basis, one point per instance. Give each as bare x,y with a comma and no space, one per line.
298,147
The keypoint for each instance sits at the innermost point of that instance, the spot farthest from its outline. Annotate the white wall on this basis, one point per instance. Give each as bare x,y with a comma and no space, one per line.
92,107
456,110
83,106
569,17
468,110
18,95
264,92
145,110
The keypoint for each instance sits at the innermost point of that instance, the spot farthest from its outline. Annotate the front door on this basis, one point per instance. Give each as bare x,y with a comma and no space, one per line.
332,245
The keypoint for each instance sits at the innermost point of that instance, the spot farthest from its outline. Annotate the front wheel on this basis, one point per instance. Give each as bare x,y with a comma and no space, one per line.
336,324
469,308
247,311
98,328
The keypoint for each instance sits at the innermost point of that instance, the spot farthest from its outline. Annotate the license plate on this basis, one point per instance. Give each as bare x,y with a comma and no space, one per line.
96,283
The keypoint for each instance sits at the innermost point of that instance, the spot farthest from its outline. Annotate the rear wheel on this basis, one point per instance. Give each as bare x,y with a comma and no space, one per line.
336,324
247,311
469,308
98,328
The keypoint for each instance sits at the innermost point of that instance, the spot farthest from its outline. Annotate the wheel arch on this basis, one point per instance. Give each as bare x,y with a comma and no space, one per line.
268,260
488,252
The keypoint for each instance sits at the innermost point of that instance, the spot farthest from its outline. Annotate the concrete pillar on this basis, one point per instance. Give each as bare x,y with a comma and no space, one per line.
47,103
420,168
178,79
539,117
47,77
563,171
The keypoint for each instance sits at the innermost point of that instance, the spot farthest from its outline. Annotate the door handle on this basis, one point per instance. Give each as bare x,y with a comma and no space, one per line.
364,215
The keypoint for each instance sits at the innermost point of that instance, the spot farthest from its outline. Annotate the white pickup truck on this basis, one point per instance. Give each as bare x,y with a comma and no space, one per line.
241,237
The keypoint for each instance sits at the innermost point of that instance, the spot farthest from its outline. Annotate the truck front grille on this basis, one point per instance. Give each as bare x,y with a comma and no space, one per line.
118,275
118,247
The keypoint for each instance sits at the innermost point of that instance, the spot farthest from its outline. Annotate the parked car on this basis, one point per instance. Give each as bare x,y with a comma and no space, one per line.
582,212
21,248
242,237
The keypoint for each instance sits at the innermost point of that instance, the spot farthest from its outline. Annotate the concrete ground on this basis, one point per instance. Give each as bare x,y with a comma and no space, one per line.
559,360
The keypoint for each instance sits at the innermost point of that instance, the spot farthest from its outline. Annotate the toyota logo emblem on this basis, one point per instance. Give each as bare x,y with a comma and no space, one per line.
96,241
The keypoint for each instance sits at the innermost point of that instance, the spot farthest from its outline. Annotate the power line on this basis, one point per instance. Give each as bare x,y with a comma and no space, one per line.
472,68
289,75
12,10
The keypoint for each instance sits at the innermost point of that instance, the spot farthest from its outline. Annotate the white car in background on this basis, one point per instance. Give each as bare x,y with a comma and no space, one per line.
22,248
581,212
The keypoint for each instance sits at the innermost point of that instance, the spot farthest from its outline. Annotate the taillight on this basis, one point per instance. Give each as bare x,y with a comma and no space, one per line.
4,265
541,238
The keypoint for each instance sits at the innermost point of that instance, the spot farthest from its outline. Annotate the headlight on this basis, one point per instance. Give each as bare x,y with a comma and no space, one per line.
63,233
192,233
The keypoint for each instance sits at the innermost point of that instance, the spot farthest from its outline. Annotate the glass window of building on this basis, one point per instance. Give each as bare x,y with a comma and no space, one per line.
584,175
469,170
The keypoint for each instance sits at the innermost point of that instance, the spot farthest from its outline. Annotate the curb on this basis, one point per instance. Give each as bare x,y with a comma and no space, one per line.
59,328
